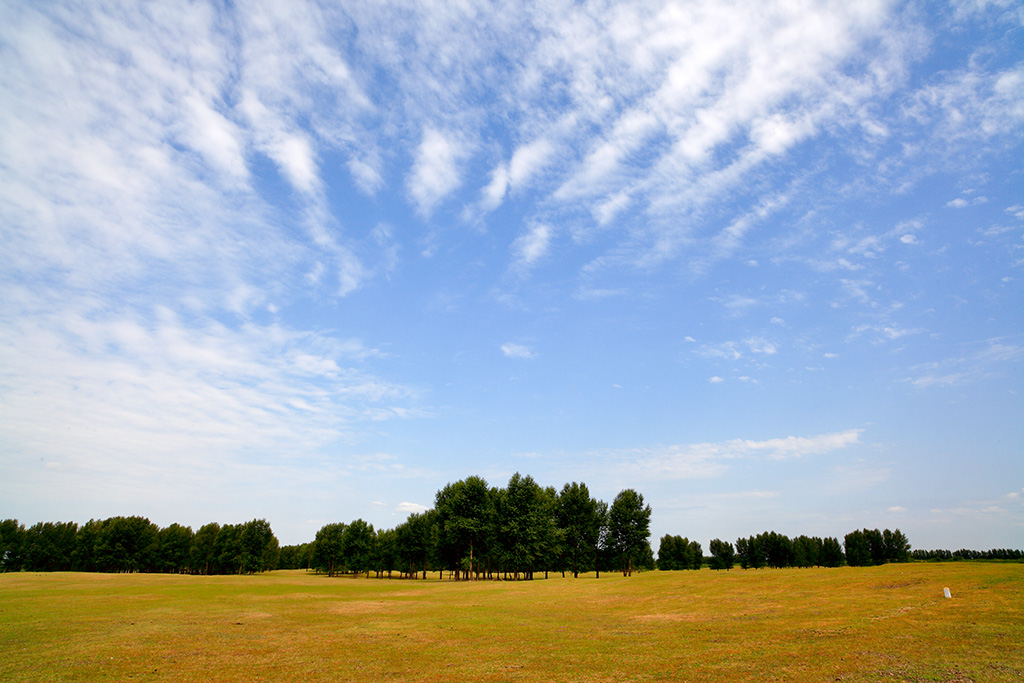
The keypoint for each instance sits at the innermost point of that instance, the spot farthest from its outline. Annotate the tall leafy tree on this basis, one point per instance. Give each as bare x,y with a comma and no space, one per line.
128,544
722,554
328,549
831,554
629,522
295,556
227,550
50,546
86,546
897,547
12,545
858,552
175,542
464,516
258,547
358,546
580,519
386,556
414,543
522,517
201,556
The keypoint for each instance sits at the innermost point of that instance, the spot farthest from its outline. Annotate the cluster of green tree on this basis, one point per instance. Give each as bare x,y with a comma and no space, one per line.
872,547
478,531
676,552
134,544
296,556
771,549
964,554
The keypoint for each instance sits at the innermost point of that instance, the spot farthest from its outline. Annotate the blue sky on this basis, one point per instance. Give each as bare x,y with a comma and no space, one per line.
311,262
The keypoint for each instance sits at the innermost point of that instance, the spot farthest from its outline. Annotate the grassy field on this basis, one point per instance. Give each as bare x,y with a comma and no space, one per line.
849,624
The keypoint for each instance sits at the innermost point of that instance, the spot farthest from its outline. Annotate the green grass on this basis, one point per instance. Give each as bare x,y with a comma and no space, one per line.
849,624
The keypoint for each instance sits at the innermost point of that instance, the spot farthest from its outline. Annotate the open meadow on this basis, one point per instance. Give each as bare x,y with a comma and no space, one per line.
849,624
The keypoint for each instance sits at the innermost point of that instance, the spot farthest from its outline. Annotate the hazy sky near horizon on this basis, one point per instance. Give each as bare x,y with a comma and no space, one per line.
310,262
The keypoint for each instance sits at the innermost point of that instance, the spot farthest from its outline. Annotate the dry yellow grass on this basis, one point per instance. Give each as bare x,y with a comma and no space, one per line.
849,624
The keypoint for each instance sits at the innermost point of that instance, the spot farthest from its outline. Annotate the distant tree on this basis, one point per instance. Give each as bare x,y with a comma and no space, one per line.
50,546
227,551
897,547
127,544
259,548
602,554
552,544
668,553
522,520
628,529
358,546
464,516
579,518
806,551
722,554
876,545
175,543
87,542
677,552
12,545
328,549
295,556
752,551
201,556
858,552
743,552
831,553
413,543
385,557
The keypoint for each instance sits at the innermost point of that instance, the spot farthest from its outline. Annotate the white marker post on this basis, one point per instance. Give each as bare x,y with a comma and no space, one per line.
945,591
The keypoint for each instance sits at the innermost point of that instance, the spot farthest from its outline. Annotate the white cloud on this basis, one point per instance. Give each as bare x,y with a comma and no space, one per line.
705,460
531,247
411,507
962,370
436,170
513,350
527,161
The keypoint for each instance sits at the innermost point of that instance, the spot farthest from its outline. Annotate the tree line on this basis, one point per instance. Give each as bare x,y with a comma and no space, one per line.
134,544
965,554
473,531
476,531
771,549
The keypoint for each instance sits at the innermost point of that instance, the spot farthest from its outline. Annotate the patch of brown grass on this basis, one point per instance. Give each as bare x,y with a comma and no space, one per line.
849,624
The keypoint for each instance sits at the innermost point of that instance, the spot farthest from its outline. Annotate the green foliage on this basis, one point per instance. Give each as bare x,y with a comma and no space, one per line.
771,549
328,549
723,556
465,512
358,546
676,552
580,519
295,556
201,556
629,522
50,546
524,524
12,545
873,547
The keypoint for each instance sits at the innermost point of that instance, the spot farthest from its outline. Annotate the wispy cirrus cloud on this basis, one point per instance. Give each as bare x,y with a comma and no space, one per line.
708,460
992,359
529,248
